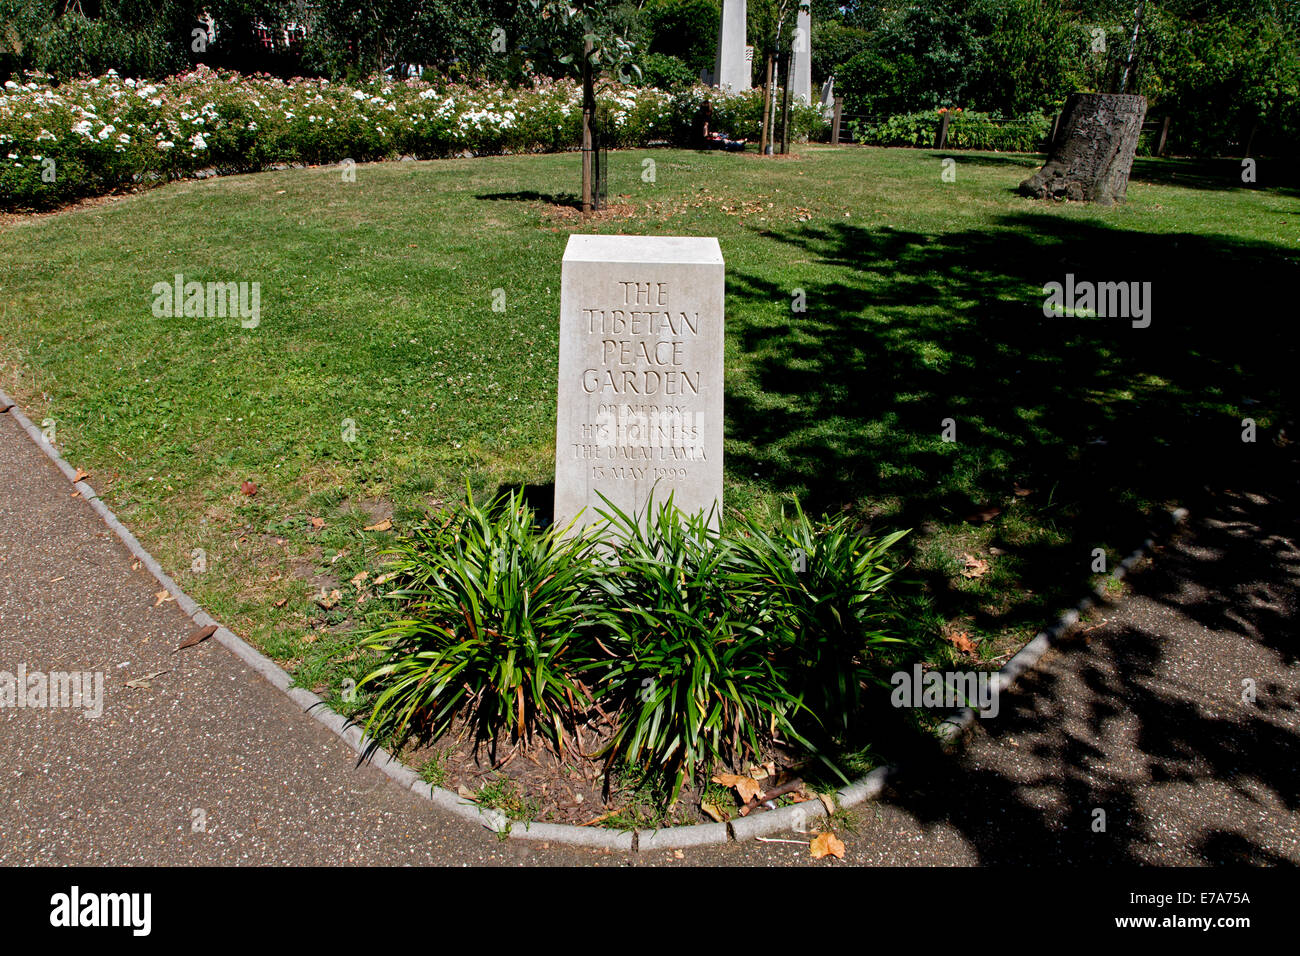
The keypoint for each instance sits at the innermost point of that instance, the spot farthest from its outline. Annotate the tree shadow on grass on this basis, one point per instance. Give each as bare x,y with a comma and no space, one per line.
569,200
1223,174
1029,162
1100,421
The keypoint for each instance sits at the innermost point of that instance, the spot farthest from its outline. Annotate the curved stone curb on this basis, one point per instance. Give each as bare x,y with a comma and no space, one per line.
798,817
345,729
1028,656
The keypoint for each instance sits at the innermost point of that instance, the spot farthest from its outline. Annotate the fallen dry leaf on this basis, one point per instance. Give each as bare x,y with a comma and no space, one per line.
826,844
198,637
981,515
327,601
359,578
714,812
281,603
318,523
973,567
143,682
961,640
161,597
380,525
248,488
747,787
1020,491
827,802
82,475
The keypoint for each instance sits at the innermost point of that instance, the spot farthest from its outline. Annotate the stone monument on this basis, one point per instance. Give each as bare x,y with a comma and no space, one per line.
801,46
640,380
732,69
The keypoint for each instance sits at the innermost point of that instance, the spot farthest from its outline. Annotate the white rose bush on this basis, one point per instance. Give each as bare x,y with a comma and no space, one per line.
103,134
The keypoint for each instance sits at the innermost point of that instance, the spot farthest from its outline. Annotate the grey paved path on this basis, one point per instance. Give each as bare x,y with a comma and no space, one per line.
1141,717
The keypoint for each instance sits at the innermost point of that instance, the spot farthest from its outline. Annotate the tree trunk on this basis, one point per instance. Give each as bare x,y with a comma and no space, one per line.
771,119
1093,152
1127,79
785,104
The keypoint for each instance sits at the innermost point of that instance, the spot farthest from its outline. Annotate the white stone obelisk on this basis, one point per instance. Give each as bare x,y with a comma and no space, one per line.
731,72
801,70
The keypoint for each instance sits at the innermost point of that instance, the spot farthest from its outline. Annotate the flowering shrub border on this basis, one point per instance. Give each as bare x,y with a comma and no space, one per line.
93,136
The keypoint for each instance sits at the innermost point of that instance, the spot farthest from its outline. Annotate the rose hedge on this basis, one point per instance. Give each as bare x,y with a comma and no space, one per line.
92,136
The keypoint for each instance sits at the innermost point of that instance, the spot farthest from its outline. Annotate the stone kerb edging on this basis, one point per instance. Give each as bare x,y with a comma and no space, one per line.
798,817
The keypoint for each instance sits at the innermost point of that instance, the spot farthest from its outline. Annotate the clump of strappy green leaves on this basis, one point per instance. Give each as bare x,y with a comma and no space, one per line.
702,644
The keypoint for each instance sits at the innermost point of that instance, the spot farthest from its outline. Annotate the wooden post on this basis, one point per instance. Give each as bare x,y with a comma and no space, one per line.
1164,136
835,121
941,137
765,138
588,116
785,106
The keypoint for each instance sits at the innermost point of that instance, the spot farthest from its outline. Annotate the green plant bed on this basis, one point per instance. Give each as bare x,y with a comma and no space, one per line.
966,130
631,662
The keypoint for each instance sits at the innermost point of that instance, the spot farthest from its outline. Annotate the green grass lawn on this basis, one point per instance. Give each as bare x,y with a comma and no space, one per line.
924,303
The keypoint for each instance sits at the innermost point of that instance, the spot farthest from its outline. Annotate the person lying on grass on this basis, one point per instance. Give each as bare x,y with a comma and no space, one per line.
706,137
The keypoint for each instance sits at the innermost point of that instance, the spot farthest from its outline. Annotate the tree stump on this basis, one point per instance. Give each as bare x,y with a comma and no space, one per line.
1093,152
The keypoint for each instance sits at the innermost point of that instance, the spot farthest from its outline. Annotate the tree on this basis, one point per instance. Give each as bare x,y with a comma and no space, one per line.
133,37
834,44
351,38
1030,56
686,29
921,55
21,22
590,37
770,25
